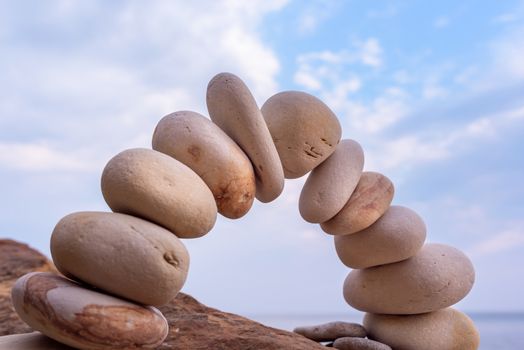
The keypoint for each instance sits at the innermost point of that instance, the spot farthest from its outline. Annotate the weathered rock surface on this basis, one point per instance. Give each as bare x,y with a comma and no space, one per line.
16,259
192,324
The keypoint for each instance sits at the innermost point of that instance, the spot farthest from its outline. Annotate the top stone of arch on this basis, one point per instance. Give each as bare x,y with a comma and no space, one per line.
304,129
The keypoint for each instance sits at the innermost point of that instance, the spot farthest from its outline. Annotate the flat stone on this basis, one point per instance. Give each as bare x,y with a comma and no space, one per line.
121,254
196,141
446,329
331,331
84,318
305,131
348,343
154,186
30,341
438,276
330,185
369,201
397,235
233,108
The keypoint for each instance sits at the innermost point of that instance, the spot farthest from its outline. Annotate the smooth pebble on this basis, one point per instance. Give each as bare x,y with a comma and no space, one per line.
330,185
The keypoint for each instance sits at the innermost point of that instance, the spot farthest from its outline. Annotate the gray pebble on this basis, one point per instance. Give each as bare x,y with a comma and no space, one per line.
350,343
331,331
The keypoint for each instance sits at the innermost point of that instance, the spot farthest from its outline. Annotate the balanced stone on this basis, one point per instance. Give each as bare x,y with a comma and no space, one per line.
84,318
197,142
438,276
331,331
304,129
121,254
158,188
330,185
30,341
369,201
232,107
348,343
446,329
396,236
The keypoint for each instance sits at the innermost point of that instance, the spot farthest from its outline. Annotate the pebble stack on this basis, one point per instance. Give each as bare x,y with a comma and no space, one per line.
118,266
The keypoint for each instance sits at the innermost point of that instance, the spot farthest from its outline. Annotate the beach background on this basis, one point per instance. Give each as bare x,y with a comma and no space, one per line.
433,91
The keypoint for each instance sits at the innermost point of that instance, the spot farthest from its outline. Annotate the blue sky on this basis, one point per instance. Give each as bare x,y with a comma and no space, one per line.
434,91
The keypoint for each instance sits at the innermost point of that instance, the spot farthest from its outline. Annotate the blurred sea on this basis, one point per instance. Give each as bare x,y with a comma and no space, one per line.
498,331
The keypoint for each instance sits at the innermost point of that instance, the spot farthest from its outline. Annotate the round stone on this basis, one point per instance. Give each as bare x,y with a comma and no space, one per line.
30,341
396,236
446,329
197,142
84,318
438,276
330,185
369,201
120,254
233,108
304,129
348,343
331,331
158,188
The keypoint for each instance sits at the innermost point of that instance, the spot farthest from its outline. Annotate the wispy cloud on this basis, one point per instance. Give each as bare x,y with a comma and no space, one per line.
500,242
314,13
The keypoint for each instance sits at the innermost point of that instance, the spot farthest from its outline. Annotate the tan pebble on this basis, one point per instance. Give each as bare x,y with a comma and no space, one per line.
158,188
331,331
446,329
232,107
348,343
197,142
304,129
436,277
83,318
30,341
369,201
396,236
330,185
126,256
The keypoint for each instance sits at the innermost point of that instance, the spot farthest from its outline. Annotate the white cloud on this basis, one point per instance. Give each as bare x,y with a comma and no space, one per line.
370,52
441,22
315,12
31,157
500,242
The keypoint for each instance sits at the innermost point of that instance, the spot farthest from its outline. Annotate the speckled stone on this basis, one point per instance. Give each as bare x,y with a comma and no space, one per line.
446,329
369,201
438,276
348,343
330,185
232,107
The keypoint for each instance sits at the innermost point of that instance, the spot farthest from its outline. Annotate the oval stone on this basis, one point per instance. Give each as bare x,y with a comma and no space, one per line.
158,188
369,201
84,318
330,185
304,129
436,277
331,331
348,343
446,329
396,236
197,142
30,341
234,109
123,255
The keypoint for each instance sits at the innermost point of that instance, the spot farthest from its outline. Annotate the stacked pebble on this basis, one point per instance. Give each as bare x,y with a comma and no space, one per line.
120,265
